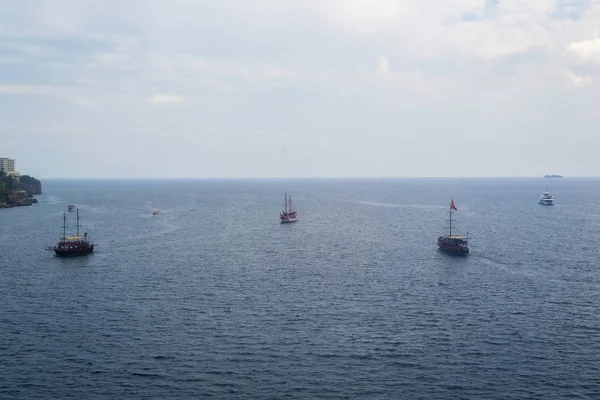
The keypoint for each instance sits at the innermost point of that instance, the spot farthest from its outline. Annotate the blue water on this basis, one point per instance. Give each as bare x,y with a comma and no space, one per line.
214,298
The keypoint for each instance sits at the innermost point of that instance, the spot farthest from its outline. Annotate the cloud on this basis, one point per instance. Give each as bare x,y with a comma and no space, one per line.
579,80
385,81
586,50
279,73
383,66
26,89
165,99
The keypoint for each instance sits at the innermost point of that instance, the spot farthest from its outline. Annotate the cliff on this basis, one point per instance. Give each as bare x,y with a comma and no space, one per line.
31,185
18,191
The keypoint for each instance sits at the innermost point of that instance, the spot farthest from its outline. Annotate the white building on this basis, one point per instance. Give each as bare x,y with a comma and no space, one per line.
8,166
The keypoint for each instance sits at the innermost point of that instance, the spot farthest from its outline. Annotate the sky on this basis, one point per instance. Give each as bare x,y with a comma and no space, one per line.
300,88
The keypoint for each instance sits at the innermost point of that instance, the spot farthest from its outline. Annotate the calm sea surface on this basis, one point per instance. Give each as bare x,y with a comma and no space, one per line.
214,298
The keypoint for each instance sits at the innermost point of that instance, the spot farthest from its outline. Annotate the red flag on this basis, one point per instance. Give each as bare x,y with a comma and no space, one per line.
452,206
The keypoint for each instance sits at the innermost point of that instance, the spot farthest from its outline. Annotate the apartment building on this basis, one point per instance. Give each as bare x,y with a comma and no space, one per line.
8,166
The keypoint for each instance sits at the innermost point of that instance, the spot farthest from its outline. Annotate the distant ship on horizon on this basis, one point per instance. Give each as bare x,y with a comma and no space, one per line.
288,214
553,176
546,199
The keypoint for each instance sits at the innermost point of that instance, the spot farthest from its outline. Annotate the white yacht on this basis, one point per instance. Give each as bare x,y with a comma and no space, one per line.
546,199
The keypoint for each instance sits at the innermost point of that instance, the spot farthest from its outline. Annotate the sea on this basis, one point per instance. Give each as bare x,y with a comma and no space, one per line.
214,298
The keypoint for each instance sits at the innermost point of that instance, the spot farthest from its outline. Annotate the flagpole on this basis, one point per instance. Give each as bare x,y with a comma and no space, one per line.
451,201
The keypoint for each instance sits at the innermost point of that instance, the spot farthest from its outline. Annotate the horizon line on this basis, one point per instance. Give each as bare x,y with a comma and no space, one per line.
315,178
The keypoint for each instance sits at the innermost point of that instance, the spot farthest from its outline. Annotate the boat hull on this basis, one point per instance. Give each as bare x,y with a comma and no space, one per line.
288,220
546,203
73,252
453,249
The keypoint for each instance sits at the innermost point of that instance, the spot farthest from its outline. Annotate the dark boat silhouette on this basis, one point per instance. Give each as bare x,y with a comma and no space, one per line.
69,246
453,244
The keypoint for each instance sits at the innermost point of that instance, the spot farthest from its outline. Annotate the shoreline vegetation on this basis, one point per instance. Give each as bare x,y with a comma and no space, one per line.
17,191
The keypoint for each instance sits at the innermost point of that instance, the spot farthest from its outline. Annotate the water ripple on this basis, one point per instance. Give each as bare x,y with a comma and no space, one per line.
213,298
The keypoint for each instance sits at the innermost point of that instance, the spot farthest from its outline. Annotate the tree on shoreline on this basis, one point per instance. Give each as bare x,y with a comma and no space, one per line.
11,183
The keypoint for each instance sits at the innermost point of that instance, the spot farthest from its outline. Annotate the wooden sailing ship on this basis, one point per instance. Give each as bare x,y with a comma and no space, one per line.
69,246
288,214
453,244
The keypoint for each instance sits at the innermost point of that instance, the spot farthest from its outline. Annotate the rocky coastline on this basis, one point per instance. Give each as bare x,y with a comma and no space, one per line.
18,191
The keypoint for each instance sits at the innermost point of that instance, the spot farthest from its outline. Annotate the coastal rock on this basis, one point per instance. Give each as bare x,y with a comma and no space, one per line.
31,185
19,198
18,191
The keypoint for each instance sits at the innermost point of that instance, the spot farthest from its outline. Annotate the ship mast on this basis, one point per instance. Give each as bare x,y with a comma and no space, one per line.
64,225
450,220
78,222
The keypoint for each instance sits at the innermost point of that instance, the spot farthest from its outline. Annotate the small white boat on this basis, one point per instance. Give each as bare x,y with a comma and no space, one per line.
71,207
155,212
546,199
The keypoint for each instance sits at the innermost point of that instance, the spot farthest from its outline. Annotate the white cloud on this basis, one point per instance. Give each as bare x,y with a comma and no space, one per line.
365,16
579,80
26,89
384,65
112,60
426,28
586,50
279,73
165,99
368,75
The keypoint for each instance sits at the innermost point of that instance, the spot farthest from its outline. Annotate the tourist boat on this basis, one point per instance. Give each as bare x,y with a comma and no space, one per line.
155,212
73,245
453,244
546,199
288,214
71,207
